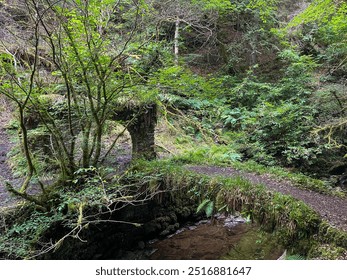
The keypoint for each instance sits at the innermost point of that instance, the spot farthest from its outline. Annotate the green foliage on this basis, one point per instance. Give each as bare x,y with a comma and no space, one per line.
276,119
295,257
327,252
298,79
207,206
255,244
284,131
101,61
21,239
253,39
72,209
331,235
323,12
178,82
212,154
321,31
93,70
222,6
324,21
266,9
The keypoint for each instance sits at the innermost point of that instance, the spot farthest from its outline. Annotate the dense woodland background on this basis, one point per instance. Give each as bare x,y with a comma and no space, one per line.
86,84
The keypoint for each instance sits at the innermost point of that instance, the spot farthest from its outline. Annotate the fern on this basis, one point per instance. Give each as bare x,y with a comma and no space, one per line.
209,209
295,257
207,205
202,205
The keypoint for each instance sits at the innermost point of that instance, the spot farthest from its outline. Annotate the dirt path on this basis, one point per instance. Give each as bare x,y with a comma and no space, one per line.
5,147
332,209
5,172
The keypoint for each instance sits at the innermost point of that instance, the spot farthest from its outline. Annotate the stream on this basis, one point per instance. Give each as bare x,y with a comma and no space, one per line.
230,238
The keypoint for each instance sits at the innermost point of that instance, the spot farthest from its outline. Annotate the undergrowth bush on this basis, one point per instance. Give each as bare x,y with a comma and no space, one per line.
89,199
213,154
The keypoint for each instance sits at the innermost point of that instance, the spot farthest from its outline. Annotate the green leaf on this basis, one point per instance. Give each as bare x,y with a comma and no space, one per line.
209,209
202,205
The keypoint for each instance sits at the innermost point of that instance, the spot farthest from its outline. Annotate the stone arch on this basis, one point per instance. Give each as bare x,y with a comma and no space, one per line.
143,120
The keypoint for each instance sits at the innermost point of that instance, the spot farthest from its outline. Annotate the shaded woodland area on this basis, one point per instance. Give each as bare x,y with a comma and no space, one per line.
105,103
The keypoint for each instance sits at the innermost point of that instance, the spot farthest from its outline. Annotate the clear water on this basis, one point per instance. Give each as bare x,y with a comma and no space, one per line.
216,240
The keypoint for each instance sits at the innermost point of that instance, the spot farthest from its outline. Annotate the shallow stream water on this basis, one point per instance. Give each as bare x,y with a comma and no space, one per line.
221,238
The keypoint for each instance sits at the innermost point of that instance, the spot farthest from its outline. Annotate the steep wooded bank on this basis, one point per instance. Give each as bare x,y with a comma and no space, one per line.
248,84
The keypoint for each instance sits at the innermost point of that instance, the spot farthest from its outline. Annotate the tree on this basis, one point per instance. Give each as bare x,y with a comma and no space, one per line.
79,70
184,15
